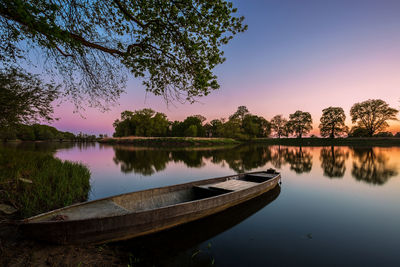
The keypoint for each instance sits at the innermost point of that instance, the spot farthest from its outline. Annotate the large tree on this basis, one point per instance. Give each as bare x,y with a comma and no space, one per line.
93,44
144,122
372,115
255,126
333,122
278,124
240,113
300,122
24,99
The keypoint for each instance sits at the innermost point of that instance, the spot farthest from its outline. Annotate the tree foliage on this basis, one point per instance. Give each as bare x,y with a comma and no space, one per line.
333,122
240,113
255,126
372,115
172,45
144,122
278,124
300,122
36,132
24,98
358,132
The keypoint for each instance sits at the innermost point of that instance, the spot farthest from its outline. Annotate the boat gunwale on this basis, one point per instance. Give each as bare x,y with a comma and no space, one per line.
30,222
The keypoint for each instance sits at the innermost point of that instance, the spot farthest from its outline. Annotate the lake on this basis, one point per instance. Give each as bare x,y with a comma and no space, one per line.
336,205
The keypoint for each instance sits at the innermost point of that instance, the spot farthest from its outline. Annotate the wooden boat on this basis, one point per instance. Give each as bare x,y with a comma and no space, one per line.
192,234
139,213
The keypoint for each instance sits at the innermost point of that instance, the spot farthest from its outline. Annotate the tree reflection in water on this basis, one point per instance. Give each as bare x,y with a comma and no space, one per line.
300,161
278,156
371,166
139,160
244,158
147,161
333,161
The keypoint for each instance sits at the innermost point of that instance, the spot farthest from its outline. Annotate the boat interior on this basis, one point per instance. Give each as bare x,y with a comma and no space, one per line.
154,199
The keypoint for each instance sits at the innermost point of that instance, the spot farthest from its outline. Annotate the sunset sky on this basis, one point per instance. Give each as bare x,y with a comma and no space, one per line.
296,55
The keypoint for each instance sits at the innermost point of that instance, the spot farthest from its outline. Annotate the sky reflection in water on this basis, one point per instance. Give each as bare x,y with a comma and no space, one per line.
336,206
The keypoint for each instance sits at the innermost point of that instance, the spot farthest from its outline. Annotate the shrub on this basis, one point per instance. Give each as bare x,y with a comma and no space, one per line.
384,134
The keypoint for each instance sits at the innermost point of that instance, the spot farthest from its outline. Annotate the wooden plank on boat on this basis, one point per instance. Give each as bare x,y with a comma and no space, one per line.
97,209
233,185
262,174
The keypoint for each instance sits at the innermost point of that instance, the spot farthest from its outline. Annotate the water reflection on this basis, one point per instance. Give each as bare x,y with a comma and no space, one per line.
138,160
169,245
333,161
244,158
147,161
372,166
300,160
368,165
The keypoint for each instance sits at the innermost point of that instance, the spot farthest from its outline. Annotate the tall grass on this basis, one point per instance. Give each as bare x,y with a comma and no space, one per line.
36,182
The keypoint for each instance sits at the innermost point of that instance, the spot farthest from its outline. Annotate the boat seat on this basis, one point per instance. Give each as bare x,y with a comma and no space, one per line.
229,185
265,175
259,177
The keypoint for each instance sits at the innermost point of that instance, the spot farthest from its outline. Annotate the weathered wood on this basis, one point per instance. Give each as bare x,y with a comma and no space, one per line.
233,185
148,211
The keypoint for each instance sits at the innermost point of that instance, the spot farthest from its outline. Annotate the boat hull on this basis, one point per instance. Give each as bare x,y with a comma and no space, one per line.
114,228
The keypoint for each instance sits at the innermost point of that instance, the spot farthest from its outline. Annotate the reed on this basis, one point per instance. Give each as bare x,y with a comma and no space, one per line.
36,182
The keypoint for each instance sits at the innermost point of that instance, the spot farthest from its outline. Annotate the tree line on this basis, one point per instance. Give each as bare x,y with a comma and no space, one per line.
146,122
39,132
370,118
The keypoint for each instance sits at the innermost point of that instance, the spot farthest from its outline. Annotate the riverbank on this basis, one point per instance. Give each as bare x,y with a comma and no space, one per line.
203,141
364,141
170,141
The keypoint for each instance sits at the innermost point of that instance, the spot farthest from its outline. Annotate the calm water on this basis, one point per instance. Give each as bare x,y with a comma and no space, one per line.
337,206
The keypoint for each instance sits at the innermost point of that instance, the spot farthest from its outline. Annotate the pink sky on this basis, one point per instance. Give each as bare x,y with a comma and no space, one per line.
291,58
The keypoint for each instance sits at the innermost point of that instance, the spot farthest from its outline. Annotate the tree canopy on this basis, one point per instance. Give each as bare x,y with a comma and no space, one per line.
172,45
24,98
278,124
372,115
240,113
333,122
300,123
144,122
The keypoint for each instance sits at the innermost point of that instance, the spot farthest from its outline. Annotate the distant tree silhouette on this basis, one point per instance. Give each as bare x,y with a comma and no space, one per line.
278,124
372,115
240,113
333,122
300,122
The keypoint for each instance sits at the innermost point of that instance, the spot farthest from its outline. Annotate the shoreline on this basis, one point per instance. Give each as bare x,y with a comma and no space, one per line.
170,141
204,141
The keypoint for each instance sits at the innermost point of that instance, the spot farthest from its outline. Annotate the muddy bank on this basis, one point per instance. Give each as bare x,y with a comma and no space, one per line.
15,250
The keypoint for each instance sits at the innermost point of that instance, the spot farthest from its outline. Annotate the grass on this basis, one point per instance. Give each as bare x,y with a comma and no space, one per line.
36,182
